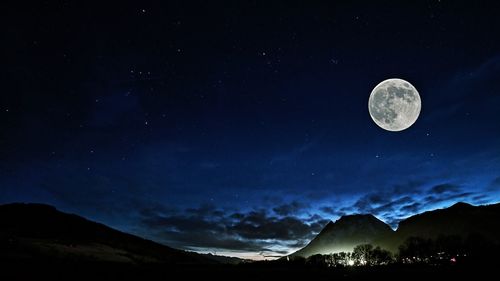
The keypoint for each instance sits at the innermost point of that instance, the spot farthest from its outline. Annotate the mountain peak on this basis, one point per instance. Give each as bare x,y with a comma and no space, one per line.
346,233
357,217
461,205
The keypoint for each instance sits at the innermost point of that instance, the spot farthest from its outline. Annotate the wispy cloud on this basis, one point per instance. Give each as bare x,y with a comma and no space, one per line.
210,228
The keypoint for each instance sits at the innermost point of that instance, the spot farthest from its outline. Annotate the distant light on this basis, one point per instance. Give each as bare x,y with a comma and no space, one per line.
350,263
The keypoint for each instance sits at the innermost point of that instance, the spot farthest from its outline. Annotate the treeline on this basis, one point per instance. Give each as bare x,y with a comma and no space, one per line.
445,250
365,254
448,249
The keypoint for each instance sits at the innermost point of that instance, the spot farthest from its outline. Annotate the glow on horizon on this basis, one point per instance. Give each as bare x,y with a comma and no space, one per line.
243,255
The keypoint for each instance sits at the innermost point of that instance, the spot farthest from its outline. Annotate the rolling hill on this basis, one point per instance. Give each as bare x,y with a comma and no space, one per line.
37,231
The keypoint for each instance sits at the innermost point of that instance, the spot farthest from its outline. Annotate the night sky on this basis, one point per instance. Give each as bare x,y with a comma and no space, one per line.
242,127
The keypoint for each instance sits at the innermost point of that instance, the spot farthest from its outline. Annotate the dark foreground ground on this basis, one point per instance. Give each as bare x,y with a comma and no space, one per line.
50,270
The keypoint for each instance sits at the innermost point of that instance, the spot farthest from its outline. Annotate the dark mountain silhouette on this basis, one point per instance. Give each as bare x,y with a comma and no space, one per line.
462,220
37,231
344,234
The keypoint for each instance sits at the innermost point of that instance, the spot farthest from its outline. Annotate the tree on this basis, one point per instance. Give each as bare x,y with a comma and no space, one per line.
416,250
340,259
362,254
449,245
317,260
380,256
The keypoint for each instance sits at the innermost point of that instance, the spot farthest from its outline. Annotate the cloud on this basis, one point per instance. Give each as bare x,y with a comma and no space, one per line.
330,211
205,210
261,226
433,200
202,241
389,205
411,208
480,197
375,203
379,202
314,218
444,188
289,208
392,207
208,227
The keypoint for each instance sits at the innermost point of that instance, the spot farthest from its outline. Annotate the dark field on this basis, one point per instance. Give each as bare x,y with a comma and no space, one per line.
53,270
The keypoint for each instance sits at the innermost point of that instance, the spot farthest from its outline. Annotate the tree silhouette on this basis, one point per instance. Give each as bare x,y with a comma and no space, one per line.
362,254
318,260
380,256
366,254
340,259
416,250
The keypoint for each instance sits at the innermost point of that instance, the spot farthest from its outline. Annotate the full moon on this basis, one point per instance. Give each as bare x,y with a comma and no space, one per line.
394,104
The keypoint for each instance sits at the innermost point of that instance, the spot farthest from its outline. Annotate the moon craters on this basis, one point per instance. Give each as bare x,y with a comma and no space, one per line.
394,104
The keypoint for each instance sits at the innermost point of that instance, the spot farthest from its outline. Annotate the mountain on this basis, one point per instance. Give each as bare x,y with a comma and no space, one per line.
37,231
461,219
344,234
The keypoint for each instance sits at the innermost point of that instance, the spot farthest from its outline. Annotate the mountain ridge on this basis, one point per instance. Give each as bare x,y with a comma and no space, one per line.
460,219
